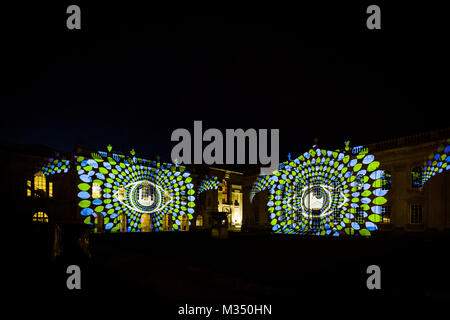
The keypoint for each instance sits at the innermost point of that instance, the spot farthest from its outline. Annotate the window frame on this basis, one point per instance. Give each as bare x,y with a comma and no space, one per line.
415,213
386,215
199,221
40,182
359,216
96,194
40,217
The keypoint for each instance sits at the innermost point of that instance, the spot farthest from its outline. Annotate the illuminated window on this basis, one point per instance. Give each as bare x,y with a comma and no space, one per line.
29,188
121,193
96,191
184,223
39,182
40,217
417,177
360,216
146,194
146,225
416,214
167,222
199,221
386,180
224,191
386,214
50,189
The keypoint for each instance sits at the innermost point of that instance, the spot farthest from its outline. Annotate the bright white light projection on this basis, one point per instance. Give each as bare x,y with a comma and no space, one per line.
143,196
316,201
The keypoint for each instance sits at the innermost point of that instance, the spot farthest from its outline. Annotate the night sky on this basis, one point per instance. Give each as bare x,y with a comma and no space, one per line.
134,74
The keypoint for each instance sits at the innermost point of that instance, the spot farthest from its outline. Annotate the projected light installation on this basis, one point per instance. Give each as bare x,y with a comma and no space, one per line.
209,183
143,196
56,166
325,192
315,201
134,188
437,162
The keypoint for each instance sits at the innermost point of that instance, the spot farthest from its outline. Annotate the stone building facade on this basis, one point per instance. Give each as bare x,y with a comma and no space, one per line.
412,206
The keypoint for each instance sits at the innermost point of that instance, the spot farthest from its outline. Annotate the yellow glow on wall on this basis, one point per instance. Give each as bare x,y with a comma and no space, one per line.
28,188
40,182
199,221
50,189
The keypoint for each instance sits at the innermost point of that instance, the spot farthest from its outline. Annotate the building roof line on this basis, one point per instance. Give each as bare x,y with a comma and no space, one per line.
410,140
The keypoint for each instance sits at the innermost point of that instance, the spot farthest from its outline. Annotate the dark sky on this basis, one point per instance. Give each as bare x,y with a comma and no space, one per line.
134,74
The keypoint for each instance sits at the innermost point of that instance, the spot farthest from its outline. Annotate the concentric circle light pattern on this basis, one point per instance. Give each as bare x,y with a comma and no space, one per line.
325,192
173,192
437,162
